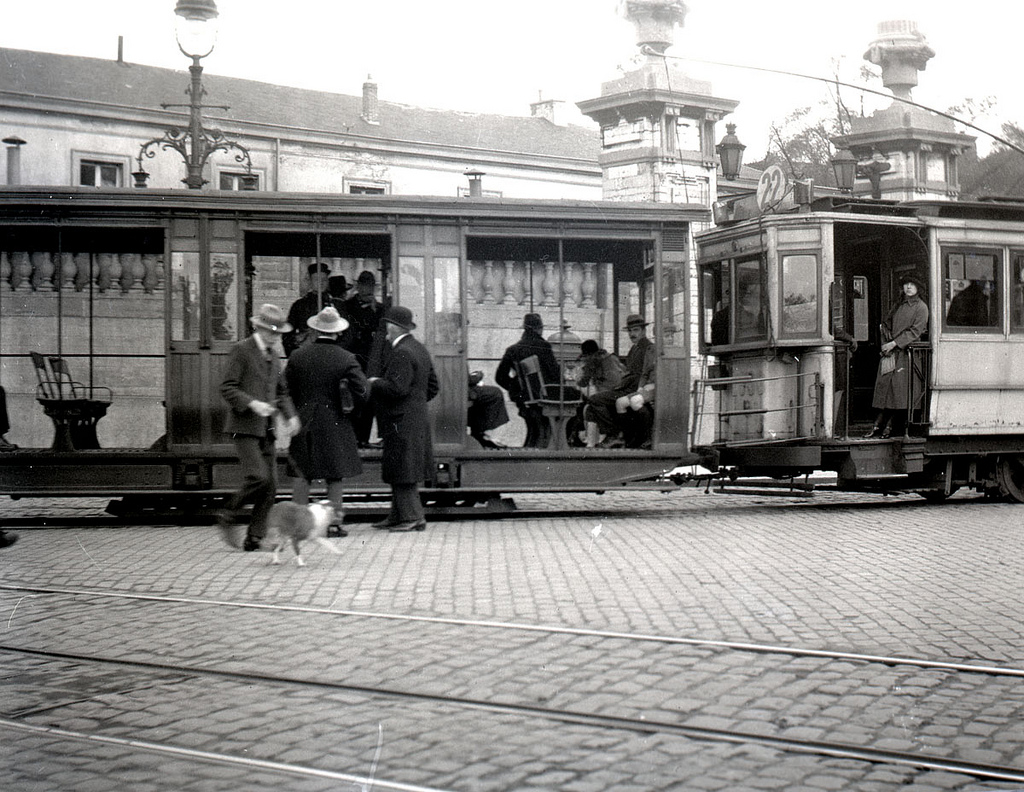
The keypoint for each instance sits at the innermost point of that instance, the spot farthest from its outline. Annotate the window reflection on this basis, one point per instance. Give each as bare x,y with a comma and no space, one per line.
799,295
186,311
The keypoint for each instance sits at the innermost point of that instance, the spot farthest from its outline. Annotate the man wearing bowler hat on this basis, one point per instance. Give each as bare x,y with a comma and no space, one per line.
254,388
364,312
621,409
400,395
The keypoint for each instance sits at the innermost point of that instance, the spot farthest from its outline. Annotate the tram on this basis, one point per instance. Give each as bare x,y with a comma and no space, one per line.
782,299
137,296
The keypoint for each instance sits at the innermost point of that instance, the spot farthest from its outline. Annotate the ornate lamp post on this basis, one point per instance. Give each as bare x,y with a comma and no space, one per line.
196,33
730,152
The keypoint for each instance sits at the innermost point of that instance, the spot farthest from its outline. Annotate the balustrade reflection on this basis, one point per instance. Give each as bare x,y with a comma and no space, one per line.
574,284
113,273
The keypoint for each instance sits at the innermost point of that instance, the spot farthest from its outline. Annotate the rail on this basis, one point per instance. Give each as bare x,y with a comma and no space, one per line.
796,407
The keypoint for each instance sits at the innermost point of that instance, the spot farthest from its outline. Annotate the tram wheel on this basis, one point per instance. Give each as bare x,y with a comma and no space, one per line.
1010,475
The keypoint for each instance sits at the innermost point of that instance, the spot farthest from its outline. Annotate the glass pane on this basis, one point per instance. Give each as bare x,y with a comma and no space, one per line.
411,288
971,292
87,174
109,175
751,307
1017,292
447,304
224,297
185,307
799,295
674,305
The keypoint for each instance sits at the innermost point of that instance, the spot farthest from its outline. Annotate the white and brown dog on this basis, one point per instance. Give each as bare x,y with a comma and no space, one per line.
289,521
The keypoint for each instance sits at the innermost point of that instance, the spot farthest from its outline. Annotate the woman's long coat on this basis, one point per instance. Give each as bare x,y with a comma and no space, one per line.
325,447
905,325
400,396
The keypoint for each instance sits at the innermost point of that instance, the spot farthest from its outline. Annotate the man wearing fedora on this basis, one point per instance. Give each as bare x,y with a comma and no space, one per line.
621,409
254,388
309,304
538,427
318,375
400,395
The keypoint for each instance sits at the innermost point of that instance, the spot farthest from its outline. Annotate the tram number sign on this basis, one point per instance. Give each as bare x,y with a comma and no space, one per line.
771,188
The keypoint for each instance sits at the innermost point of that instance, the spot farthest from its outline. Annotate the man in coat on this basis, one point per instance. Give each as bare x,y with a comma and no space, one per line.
325,447
363,311
309,304
538,427
400,395
254,388
621,409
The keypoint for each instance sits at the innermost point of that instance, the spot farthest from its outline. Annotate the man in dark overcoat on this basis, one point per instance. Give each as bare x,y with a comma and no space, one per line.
309,304
363,311
400,395
623,409
325,447
538,427
254,389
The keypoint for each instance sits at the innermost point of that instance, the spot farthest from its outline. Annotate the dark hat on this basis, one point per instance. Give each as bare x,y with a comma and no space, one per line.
397,315
319,266
912,279
270,317
337,285
367,277
533,321
589,347
328,321
635,320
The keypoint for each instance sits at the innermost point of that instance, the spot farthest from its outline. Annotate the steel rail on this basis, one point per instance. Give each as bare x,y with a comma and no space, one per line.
641,725
738,646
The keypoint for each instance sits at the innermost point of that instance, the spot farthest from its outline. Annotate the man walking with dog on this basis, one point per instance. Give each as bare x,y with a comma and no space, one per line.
255,390
328,386
400,395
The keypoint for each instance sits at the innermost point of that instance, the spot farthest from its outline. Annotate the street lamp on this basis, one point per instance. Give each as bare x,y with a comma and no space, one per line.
844,165
730,152
196,33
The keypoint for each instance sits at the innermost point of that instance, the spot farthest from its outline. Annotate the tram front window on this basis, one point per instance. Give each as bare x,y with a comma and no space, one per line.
971,290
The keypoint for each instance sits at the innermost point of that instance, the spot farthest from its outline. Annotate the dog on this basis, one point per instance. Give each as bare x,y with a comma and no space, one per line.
290,521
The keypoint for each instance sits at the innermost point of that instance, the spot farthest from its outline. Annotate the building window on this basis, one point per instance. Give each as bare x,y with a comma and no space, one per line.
366,187
93,173
229,180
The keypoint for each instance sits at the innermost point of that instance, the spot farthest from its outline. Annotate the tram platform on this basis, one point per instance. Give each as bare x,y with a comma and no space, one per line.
588,643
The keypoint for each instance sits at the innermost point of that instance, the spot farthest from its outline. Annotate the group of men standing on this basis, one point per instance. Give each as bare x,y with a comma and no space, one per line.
347,359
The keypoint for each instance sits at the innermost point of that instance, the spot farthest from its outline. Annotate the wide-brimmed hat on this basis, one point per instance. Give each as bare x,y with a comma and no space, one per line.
270,317
912,279
635,320
328,321
533,321
367,277
397,315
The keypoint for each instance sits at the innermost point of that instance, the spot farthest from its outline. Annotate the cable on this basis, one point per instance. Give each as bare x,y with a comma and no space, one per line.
833,81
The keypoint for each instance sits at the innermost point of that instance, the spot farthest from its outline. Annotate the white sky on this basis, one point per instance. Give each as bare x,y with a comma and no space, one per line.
492,56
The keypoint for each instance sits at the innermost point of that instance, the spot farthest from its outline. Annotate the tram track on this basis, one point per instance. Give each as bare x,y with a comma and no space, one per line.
643,725
740,646
637,723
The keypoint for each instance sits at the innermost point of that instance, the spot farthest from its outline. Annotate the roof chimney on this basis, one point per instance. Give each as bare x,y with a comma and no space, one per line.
371,109
552,110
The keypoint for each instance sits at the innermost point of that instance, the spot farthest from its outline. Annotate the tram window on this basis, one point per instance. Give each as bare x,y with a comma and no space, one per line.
751,306
716,303
447,308
1017,294
971,289
799,295
186,309
223,297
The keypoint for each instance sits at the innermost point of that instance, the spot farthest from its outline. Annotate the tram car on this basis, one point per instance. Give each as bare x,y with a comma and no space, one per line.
118,309
793,317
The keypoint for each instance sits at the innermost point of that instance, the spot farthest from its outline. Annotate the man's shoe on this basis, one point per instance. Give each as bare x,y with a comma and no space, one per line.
411,525
7,539
251,544
383,525
7,446
611,442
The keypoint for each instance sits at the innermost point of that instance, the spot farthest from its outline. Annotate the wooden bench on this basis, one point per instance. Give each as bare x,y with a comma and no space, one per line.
74,408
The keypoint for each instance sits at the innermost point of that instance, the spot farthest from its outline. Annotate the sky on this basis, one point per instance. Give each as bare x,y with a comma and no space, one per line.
491,56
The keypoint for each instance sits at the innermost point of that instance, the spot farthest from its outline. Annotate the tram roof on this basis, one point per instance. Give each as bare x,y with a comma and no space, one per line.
30,200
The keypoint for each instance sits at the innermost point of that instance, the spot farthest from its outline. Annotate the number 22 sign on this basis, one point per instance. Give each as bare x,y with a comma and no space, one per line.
771,188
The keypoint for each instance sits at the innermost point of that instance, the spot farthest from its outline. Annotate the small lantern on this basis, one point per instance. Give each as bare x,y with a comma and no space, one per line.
567,346
730,152
844,165
250,182
196,27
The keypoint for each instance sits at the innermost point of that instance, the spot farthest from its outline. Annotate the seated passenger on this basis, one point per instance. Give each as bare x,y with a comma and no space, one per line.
619,412
601,371
969,307
538,426
486,410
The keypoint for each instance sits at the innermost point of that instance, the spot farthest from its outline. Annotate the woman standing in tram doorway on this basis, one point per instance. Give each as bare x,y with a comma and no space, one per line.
906,323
